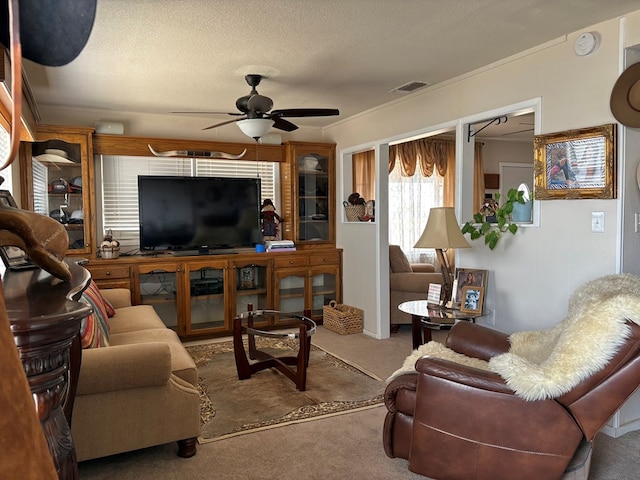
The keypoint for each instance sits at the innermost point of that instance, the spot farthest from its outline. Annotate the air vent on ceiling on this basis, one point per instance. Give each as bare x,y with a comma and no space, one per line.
409,87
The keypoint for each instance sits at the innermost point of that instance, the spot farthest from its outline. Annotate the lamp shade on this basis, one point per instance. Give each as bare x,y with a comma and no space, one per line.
442,231
255,127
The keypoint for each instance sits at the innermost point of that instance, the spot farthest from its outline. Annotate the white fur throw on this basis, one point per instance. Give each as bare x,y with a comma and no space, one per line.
548,363
436,349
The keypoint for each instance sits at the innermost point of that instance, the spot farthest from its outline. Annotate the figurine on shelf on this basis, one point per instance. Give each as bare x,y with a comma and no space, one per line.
270,220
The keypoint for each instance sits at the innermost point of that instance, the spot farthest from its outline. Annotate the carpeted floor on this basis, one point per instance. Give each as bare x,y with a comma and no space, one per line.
331,448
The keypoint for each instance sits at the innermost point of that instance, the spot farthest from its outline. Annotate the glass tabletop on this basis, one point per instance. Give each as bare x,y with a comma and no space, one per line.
293,317
436,314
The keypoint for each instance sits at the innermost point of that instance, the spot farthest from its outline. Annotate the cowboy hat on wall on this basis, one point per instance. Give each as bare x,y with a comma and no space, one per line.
625,97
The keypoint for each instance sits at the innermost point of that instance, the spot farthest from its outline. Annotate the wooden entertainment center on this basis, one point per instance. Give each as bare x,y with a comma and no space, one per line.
199,295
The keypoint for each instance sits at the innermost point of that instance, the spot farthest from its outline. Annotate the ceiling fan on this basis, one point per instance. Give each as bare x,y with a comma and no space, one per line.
256,116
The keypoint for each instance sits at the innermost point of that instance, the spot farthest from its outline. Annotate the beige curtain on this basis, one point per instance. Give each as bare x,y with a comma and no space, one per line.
363,168
430,154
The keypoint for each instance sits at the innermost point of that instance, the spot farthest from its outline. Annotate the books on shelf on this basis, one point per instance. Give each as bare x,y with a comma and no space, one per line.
280,246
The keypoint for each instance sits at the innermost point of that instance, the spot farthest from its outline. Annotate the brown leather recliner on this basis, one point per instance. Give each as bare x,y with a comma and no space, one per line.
456,422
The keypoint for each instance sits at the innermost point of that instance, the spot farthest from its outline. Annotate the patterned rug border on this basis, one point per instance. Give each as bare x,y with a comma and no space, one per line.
303,414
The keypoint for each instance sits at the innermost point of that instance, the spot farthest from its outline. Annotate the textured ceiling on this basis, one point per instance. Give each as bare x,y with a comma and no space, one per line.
158,56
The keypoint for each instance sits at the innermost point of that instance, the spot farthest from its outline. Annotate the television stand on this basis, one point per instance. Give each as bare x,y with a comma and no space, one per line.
203,251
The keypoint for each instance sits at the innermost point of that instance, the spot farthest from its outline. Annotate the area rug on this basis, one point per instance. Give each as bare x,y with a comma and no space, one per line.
230,407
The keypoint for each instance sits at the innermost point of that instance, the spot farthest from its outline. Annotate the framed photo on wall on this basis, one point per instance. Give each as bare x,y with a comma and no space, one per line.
576,164
467,277
472,300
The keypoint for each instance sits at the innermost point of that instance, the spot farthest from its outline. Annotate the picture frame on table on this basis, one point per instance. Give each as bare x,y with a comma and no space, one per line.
472,300
576,164
466,277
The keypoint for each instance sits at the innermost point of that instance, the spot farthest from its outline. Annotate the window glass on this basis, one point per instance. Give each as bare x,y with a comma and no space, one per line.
410,199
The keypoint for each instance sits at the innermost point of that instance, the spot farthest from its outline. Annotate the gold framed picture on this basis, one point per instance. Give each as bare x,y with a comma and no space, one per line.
472,300
576,164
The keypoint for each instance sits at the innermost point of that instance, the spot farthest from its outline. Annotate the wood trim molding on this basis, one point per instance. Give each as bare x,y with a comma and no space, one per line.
30,113
138,146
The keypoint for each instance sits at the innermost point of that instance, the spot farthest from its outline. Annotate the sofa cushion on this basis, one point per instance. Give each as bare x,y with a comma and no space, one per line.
398,260
94,330
134,318
182,365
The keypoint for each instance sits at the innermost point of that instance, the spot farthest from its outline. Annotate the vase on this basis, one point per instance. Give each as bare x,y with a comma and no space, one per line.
522,212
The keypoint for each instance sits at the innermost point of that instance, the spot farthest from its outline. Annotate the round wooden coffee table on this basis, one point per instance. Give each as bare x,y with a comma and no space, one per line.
426,317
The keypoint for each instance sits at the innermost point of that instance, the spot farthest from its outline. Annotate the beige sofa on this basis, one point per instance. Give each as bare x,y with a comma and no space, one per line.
407,282
139,391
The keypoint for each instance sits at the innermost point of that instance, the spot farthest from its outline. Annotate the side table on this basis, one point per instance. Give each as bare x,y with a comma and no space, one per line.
426,317
45,321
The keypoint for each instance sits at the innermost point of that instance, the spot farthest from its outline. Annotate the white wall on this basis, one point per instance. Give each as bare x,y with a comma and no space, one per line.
531,275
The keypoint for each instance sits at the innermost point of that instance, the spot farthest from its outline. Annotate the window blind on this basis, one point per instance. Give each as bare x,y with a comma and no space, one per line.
120,183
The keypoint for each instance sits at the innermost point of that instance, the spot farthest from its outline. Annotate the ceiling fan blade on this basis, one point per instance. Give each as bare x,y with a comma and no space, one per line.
191,112
282,124
259,103
223,123
305,112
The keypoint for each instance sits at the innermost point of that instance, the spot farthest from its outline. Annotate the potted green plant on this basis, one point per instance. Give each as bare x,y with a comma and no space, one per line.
494,219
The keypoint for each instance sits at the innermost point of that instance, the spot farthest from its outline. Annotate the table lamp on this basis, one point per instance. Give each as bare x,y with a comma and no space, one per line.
443,232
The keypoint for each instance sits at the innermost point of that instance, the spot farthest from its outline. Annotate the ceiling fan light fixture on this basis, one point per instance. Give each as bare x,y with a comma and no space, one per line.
255,127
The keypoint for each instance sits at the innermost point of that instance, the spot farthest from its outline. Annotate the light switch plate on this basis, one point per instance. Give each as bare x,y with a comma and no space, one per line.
597,222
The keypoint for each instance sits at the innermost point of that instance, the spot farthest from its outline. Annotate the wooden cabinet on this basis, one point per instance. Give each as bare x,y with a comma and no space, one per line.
112,276
200,296
308,282
308,194
58,179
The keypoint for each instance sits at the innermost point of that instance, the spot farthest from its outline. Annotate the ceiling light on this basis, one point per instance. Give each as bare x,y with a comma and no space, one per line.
255,127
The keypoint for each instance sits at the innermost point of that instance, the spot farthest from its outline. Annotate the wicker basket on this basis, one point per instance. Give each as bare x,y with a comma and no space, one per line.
353,212
341,318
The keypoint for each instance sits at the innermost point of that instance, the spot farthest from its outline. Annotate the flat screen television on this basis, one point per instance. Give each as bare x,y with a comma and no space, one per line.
198,213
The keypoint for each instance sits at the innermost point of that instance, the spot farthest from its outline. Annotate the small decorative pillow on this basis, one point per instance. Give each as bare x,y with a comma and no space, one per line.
398,260
94,331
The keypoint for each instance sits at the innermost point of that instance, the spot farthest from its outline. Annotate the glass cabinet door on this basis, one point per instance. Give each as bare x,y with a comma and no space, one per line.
251,279
206,300
309,176
59,168
324,288
290,290
313,197
158,286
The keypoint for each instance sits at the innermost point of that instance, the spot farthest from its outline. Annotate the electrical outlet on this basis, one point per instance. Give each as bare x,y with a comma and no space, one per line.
637,222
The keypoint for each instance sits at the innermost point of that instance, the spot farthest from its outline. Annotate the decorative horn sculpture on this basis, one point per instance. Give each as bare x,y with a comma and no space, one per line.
197,154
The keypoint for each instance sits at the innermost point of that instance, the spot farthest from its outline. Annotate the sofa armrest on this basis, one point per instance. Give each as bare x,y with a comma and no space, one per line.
413,282
109,369
118,297
423,268
477,341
